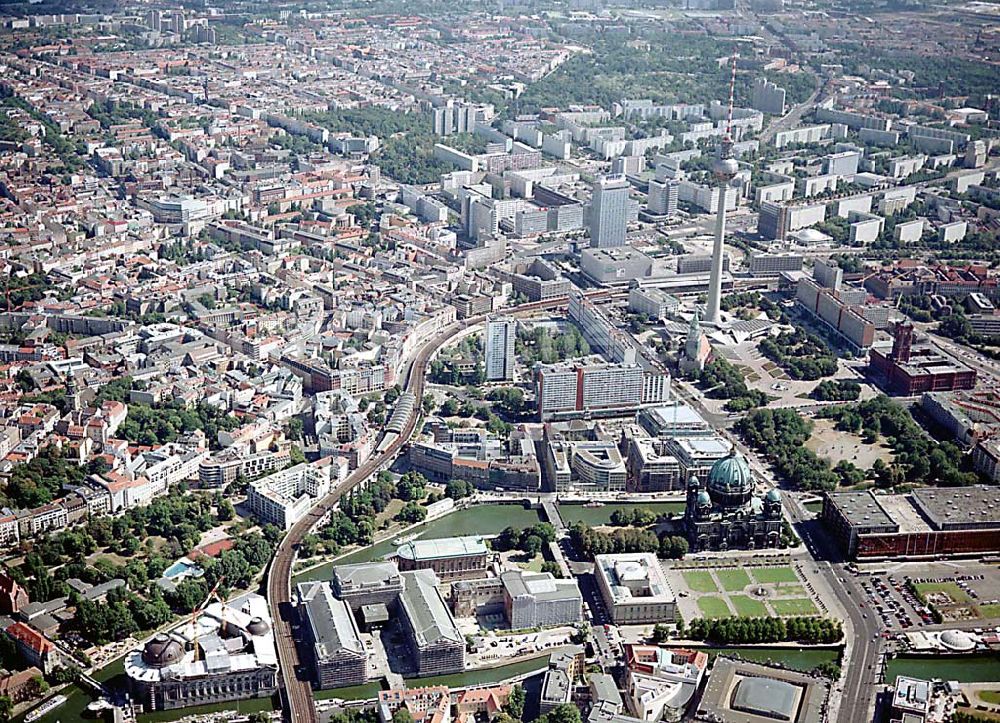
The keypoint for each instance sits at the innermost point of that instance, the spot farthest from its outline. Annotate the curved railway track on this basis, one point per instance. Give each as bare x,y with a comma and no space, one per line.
296,692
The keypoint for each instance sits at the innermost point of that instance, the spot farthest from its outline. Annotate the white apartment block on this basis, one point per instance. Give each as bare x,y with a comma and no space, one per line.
653,302
953,232
49,517
572,390
807,134
9,535
663,197
282,498
500,337
169,464
816,185
903,167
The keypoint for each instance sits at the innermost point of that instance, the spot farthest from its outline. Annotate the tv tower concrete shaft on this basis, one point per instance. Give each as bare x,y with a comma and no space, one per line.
715,279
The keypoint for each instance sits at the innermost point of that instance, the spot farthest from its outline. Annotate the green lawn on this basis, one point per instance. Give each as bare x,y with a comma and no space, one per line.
766,575
713,607
794,606
748,607
734,580
532,565
989,611
790,591
700,581
957,594
990,696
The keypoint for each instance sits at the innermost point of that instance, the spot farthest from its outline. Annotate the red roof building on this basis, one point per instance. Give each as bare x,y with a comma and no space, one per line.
13,597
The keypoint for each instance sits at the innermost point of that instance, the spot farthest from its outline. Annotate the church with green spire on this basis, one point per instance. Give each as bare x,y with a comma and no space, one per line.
697,350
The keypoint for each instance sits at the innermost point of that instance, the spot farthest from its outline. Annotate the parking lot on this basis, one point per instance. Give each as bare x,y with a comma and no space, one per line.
890,600
969,591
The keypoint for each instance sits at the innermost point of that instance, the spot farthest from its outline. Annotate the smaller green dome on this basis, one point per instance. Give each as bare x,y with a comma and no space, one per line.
704,500
773,495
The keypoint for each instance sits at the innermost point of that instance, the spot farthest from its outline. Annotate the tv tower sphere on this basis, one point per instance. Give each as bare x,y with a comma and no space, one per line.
725,169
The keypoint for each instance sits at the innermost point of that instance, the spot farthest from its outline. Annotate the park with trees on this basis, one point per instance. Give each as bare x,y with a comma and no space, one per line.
722,380
406,153
591,541
836,390
148,539
780,436
917,457
801,354
540,345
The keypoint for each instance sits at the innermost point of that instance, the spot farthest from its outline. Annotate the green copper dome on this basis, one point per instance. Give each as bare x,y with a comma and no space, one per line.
704,500
730,476
773,495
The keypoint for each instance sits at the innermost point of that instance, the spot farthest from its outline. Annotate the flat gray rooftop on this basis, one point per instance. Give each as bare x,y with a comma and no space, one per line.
959,507
752,693
862,509
774,698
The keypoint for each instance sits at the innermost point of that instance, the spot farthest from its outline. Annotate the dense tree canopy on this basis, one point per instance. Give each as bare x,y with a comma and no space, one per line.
39,481
780,435
919,459
151,425
840,390
740,630
802,354
539,345
722,380
590,541
514,538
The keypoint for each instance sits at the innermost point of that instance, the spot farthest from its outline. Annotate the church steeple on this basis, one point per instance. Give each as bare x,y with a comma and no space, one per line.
693,337
72,395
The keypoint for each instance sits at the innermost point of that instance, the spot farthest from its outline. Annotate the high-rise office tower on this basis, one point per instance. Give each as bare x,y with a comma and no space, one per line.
609,212
724,170
663,197
767,97
500,349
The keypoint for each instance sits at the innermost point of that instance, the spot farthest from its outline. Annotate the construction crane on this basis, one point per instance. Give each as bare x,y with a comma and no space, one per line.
194,614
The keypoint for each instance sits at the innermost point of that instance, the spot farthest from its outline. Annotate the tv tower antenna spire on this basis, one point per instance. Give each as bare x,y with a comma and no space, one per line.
727,139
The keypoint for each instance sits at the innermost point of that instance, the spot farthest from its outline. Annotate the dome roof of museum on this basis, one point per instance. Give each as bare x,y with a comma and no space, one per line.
161,651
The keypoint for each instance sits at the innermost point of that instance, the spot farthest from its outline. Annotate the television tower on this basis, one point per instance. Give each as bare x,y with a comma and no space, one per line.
724,170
